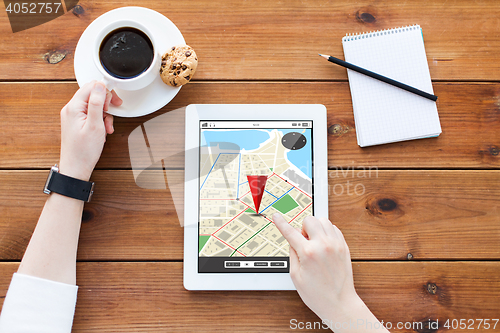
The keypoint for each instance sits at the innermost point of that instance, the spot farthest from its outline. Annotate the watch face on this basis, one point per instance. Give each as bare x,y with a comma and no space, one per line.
294,140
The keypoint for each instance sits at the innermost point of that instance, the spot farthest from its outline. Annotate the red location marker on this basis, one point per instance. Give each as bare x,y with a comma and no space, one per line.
257,185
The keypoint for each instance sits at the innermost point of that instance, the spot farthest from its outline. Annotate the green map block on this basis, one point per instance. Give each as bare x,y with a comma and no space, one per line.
250,210
285,204
202,241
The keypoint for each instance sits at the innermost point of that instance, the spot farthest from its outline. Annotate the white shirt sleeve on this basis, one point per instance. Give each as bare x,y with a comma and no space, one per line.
38,305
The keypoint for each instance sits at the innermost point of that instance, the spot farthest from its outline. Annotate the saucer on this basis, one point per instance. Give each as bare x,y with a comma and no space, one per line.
138,102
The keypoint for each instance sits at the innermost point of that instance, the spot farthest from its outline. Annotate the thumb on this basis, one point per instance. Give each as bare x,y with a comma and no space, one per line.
96,104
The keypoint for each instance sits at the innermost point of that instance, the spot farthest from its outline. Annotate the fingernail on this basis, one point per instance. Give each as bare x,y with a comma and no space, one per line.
276,216
99,88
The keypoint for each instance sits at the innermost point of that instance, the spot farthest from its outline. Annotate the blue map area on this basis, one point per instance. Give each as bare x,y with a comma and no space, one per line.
250,139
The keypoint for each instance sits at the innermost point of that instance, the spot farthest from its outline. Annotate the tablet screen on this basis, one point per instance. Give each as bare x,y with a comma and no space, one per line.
250,170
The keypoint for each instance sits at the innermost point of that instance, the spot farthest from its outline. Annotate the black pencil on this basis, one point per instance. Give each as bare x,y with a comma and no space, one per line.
380,77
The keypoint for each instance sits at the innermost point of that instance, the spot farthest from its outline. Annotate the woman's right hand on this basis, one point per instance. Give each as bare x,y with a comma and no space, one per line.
320,264
321,270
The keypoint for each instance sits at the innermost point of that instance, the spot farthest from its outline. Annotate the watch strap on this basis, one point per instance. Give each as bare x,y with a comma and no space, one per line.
70,187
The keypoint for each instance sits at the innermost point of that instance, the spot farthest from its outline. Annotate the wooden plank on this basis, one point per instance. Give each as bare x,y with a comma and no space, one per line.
270,40
136,224
149,297
469,113
384,215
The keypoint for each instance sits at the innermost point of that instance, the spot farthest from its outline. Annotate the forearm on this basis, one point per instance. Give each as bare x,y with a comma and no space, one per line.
354,317
51,252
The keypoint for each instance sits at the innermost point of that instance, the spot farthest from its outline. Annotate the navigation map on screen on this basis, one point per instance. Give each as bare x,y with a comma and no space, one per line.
249,171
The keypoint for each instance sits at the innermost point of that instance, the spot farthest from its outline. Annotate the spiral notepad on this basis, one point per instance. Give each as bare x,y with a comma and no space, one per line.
384,113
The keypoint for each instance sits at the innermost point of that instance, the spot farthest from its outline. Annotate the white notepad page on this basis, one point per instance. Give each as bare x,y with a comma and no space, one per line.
384,113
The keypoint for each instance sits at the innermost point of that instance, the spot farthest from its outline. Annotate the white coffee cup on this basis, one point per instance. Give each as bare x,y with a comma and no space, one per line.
135,83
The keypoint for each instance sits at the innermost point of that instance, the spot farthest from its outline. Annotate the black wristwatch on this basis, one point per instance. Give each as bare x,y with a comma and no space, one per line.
68,186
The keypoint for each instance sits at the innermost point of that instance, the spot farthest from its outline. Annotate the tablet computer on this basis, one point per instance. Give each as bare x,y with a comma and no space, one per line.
243,164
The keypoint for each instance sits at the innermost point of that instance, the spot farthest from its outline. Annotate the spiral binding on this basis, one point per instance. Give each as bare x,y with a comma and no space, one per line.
366,35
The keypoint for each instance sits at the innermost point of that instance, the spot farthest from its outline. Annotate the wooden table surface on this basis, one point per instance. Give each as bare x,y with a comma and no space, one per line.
424,235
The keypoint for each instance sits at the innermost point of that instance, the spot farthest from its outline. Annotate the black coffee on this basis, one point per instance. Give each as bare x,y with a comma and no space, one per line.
126,53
